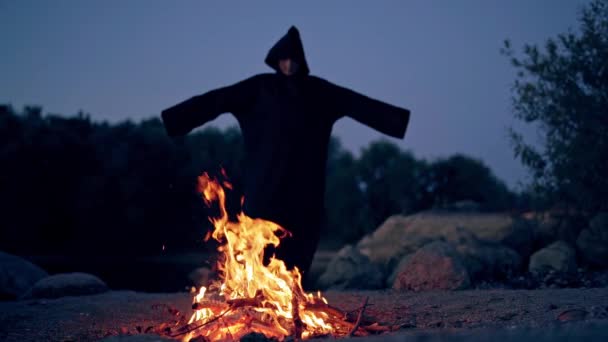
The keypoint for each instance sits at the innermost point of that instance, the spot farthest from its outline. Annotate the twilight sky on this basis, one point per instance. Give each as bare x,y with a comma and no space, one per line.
119,59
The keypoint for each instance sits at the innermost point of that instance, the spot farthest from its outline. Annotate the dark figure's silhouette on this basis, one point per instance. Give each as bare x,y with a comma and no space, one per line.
286,120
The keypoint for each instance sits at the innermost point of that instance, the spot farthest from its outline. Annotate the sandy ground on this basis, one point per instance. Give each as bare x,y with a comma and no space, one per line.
552,314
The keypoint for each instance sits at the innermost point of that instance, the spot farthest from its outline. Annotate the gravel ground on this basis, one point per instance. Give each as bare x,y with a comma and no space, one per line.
534,315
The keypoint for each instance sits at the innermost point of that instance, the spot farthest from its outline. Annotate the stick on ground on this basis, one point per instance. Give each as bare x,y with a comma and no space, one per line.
359,317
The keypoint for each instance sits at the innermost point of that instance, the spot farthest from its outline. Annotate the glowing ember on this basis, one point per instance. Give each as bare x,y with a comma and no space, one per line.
250,296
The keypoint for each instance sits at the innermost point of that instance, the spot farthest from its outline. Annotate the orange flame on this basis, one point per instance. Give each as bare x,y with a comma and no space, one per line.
251,296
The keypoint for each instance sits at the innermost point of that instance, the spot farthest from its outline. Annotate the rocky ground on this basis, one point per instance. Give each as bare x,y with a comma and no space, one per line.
438,275
439,250
436,315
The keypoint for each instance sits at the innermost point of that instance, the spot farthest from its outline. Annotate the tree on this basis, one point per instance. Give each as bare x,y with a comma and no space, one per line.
563,89
460,178
347,217
72,186
390,180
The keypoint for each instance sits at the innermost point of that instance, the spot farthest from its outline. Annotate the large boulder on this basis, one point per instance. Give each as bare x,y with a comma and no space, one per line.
558,256
592,242
390,280
400,235
436,266
319,265
66,284
395,238
486,260
555,225
17,275
349,269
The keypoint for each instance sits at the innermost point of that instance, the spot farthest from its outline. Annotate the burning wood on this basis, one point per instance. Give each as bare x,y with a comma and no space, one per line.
251,297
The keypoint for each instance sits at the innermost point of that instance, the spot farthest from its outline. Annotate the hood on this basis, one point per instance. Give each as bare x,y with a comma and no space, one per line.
289,46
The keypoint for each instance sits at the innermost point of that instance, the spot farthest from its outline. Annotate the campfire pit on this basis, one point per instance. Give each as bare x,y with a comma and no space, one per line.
251,297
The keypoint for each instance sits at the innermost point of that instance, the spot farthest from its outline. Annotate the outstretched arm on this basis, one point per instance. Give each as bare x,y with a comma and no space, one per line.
381,116
187,115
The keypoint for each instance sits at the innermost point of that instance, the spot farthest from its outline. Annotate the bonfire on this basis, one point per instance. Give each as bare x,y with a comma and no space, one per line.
256,297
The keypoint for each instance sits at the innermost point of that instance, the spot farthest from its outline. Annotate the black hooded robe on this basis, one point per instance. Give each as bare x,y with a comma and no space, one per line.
286,122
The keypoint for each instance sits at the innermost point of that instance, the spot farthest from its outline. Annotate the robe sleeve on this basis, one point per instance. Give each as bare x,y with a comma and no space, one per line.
196,111
381,116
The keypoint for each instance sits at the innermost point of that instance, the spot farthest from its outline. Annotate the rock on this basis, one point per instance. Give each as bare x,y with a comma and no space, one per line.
487,261
572,315
400,235
319,265
551,226
392,240
436,266
350,269
483,260
17,275
549,278
66,284
395,272
592,242
558,256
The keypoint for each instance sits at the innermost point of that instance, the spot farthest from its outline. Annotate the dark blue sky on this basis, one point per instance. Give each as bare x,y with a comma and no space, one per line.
133,58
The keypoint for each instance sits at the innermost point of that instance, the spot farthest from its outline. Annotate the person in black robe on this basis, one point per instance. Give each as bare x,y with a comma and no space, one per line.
286,120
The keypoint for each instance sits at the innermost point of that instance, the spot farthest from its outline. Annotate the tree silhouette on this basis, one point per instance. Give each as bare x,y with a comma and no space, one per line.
563,90
72,186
